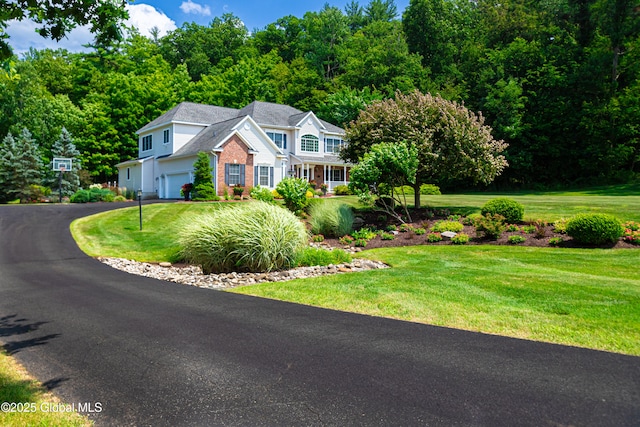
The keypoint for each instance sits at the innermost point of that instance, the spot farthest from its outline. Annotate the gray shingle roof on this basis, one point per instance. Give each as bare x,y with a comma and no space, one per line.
264,113
190,112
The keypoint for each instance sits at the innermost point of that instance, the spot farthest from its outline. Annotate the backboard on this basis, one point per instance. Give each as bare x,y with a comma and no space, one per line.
62,164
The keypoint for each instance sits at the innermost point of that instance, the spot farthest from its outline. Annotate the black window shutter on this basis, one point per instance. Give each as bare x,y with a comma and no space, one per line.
226,173
256,180
271,176
242,175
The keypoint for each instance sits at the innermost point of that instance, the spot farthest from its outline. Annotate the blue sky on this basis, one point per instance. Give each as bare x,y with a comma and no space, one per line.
168,15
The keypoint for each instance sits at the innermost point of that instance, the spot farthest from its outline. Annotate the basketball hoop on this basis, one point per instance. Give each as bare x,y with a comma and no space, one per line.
62,168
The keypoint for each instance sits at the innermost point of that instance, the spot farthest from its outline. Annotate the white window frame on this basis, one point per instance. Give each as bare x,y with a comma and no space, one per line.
333,145
264,176
147,143
278,138
336,174
310,143
234,176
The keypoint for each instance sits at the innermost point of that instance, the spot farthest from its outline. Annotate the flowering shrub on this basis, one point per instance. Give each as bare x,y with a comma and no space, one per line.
631,232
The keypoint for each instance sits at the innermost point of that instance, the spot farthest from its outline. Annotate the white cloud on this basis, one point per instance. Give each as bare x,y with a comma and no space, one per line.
145,17
142,16
195,8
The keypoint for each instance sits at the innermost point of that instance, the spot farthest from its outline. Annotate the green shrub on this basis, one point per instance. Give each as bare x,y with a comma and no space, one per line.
331,219
442,225
594,228
205,192
80,196
119,199
405,228
511,210
249,237
346,240
308,257
516,239
541,228
560,226
471,219
512,228
491,226
360,243
317,238
387,236
460,239
419,231
434,237
262,194
294,193
391,227
341,190
555,241
430,190
364,234
631,232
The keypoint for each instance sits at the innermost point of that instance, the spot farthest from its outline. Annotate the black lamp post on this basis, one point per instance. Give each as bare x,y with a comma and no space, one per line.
140,204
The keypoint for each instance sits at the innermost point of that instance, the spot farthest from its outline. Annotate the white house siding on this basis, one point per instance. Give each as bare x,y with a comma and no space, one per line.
309,127
183,133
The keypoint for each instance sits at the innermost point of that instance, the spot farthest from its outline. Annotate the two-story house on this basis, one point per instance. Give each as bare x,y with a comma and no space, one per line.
259,144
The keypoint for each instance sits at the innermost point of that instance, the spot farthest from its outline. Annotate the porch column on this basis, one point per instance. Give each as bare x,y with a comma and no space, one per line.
345,175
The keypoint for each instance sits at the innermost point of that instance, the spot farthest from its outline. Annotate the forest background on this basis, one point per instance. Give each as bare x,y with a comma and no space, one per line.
558,80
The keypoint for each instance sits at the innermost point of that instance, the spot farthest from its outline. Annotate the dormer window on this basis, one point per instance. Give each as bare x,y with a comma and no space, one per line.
309,143
280,139
147,143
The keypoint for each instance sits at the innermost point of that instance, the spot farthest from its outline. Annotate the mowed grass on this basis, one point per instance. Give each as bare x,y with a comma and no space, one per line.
18,387
582,297
623,201
117,233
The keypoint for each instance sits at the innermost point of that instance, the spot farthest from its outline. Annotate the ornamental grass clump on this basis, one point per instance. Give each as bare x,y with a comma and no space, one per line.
331,219
253,237
594,228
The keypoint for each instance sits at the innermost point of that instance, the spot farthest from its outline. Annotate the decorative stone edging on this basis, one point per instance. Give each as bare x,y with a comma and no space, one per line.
193,276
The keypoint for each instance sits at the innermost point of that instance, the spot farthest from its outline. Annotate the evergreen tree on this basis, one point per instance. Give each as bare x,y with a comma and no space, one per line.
203,179
65,148
20,167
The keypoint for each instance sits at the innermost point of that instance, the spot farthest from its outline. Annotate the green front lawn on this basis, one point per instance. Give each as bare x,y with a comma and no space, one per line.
582,297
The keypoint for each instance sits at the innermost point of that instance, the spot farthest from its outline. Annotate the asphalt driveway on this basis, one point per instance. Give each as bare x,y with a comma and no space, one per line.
157,353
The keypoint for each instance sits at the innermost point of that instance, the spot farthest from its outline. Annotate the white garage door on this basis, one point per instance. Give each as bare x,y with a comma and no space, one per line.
175,183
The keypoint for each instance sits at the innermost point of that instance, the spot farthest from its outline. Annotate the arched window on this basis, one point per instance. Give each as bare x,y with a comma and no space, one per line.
309,143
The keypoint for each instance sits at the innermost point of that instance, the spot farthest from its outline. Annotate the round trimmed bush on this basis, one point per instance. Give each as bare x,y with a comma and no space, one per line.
594,228
511,210
252,237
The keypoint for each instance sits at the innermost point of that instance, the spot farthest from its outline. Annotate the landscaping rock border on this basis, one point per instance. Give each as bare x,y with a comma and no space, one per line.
193,276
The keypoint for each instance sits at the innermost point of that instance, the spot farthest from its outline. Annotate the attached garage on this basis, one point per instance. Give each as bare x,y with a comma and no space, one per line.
174,183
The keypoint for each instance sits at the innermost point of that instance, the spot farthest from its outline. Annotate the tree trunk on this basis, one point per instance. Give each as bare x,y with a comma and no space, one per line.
416,195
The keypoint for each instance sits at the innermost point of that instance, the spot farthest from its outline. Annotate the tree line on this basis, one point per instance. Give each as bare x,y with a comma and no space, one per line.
557,80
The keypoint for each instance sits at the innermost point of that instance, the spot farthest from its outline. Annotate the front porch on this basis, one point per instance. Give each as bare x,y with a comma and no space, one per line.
331,172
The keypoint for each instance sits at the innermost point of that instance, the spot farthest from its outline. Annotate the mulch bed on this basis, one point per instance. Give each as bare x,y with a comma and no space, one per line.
423,219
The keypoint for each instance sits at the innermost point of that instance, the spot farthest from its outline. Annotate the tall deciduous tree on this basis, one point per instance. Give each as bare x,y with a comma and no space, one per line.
387,165
57,19
453,143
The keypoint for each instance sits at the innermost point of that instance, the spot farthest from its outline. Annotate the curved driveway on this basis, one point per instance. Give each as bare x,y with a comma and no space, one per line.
157,353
